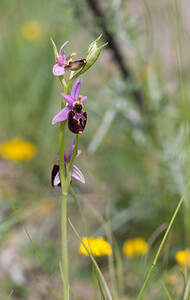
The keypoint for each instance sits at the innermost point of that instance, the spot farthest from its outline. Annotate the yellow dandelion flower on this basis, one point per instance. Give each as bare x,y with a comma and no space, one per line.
135,247
17,149
183,257
97,247
32,31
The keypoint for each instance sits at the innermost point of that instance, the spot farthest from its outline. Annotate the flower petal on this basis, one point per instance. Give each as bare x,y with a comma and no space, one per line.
68,98
77,174
83,99
79,152
68,157
60,50
57,179
60,61
58,70
54,172
62,115
75,89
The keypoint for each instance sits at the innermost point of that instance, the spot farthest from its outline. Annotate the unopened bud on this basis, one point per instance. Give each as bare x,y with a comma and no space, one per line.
93,53
93,45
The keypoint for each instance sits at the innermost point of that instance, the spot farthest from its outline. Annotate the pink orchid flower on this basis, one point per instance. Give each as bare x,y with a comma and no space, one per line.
63,64
77,174
73,112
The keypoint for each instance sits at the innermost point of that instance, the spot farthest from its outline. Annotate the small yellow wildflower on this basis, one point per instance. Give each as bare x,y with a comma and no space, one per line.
32,31
97,247
17,149
135,247
183,257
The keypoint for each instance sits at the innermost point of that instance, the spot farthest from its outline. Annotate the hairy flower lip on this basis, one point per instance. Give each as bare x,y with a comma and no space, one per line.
73,99
76,121
75,65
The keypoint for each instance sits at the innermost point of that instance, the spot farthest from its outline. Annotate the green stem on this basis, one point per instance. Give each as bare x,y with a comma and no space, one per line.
94,280
112,275
64,247
163,241
64,192
65,184
74,77
94,263
119,268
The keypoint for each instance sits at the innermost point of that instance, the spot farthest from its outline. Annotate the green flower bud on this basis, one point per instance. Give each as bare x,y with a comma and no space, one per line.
93,54
93,45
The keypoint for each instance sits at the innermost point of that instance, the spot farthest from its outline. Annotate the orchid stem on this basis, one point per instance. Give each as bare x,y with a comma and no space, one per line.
64,247
64,192
65,174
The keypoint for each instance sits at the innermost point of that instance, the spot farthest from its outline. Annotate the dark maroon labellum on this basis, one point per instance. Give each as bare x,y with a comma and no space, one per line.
77,119
54,172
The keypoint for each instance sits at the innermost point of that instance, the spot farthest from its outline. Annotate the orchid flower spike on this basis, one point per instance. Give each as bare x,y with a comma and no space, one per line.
63,64
77,174
73,112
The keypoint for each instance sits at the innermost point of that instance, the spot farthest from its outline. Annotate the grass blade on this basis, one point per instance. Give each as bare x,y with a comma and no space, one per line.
99,284
38,254
166,292
94,263
163,240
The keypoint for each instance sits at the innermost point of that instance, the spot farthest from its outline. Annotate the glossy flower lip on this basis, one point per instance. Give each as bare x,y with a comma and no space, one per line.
64,64
96,246
77,174
183,257
135,247
17,149
62,115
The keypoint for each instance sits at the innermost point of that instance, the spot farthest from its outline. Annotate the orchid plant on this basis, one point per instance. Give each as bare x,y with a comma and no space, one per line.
72,114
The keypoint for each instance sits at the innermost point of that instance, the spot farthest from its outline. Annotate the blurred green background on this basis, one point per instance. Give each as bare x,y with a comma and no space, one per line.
135,148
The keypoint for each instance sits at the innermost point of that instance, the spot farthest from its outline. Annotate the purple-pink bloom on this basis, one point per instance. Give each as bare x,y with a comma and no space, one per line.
77,174
74,105
59,68
64,64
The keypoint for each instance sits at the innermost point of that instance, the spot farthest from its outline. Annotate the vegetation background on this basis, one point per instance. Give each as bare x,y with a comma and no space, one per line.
135,148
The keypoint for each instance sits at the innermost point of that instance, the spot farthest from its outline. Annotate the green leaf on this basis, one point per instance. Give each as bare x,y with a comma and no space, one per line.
94,263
